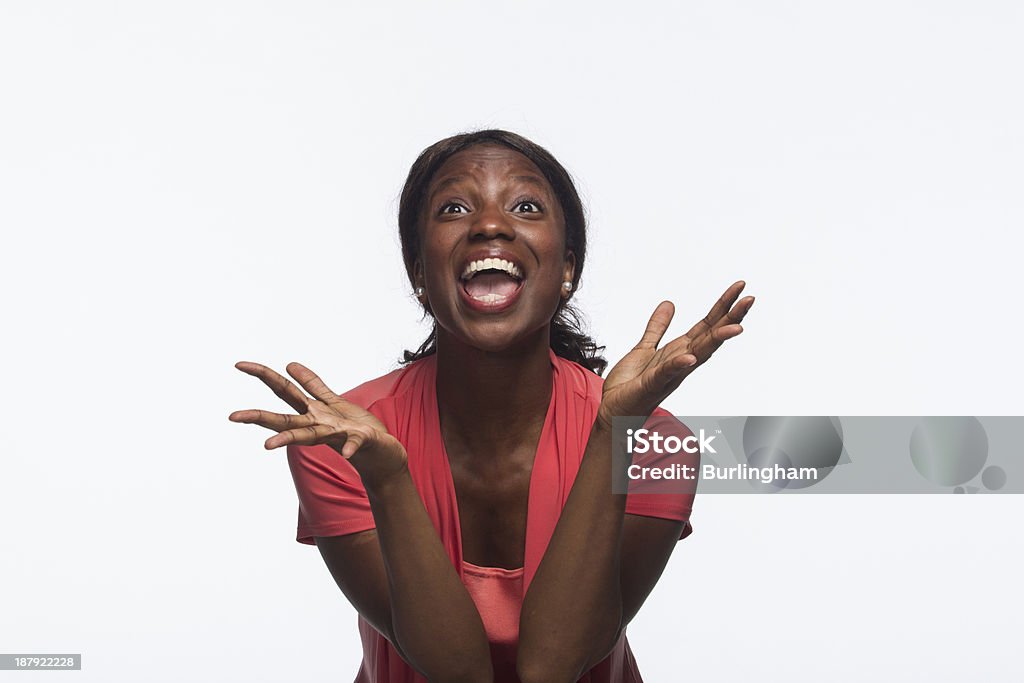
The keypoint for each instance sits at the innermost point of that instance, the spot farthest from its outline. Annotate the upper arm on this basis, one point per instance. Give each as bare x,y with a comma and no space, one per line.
647,544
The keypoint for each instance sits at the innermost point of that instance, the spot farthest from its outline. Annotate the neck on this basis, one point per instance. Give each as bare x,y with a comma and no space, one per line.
486,398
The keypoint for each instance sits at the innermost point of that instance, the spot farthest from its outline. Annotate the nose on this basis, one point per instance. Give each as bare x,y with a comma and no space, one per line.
491,223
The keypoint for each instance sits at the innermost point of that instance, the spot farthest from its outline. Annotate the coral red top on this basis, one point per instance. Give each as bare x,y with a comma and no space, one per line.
498,594
333,502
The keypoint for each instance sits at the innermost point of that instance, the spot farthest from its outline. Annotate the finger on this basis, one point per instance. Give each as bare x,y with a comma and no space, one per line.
311,382
731,319
674,367
725,332
310,435
353,443
735,315
720,308
285,390
740,310
707,344
276,421
657,325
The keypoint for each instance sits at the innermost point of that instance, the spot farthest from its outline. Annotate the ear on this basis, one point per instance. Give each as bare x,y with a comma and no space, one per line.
417,280
417,273
569,272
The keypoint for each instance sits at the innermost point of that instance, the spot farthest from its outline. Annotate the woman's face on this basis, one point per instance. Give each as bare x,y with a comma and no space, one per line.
493,256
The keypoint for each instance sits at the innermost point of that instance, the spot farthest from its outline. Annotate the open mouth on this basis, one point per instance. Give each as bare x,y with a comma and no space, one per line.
491,283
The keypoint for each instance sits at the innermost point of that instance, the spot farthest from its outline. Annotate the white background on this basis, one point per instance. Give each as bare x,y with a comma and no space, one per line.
190,184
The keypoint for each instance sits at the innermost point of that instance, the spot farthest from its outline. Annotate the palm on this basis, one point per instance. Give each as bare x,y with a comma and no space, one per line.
647,375
326,418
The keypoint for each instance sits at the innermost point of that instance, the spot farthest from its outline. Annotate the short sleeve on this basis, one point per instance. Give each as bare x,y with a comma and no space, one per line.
666,498
332,500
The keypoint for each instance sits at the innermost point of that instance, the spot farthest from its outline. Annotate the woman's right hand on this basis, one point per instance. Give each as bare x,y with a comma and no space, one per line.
355,433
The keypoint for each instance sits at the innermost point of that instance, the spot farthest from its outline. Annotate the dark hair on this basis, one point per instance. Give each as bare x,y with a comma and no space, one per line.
568,339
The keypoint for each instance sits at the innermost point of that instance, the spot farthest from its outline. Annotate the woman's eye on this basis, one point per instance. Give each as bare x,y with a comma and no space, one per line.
532,207
452,207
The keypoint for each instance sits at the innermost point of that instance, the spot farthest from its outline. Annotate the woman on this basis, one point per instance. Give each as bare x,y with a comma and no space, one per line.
463,503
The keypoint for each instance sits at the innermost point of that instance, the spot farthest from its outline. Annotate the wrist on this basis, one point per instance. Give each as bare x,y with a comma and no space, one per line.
603,424
379,471
384,485
637,416
633,417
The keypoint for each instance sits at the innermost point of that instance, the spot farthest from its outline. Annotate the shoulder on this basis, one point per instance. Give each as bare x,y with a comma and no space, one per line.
588,385
382,396
387,387
585,384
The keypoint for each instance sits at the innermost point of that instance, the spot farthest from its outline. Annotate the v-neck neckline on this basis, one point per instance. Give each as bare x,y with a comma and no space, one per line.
434,418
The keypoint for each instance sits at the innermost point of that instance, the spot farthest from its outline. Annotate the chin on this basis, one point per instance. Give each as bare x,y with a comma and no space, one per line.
500,337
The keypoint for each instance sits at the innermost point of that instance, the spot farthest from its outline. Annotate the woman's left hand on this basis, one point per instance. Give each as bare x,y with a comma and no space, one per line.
647,375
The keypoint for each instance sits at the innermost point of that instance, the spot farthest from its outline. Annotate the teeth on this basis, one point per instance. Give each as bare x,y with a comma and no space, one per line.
490,298
492,264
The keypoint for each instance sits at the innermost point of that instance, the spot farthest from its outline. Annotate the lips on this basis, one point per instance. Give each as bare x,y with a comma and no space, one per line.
491,282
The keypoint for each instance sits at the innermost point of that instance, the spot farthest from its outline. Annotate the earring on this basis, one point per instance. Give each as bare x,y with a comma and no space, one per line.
419,292
567,286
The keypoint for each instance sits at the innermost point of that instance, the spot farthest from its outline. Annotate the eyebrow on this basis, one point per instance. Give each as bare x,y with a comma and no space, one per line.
537,182
531,180
450,180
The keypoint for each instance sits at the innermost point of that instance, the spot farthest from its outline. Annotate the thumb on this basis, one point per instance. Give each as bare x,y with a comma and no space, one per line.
353,443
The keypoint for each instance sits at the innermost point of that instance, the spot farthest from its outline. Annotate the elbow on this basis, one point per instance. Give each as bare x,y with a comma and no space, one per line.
468,669
552,667
454,667
454,673
449,668
465,676
475,673
534,673
454,670
557,665
543,663
459,660
549,671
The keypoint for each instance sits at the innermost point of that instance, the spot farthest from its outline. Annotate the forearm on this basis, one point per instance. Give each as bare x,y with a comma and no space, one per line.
572,612
434,621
